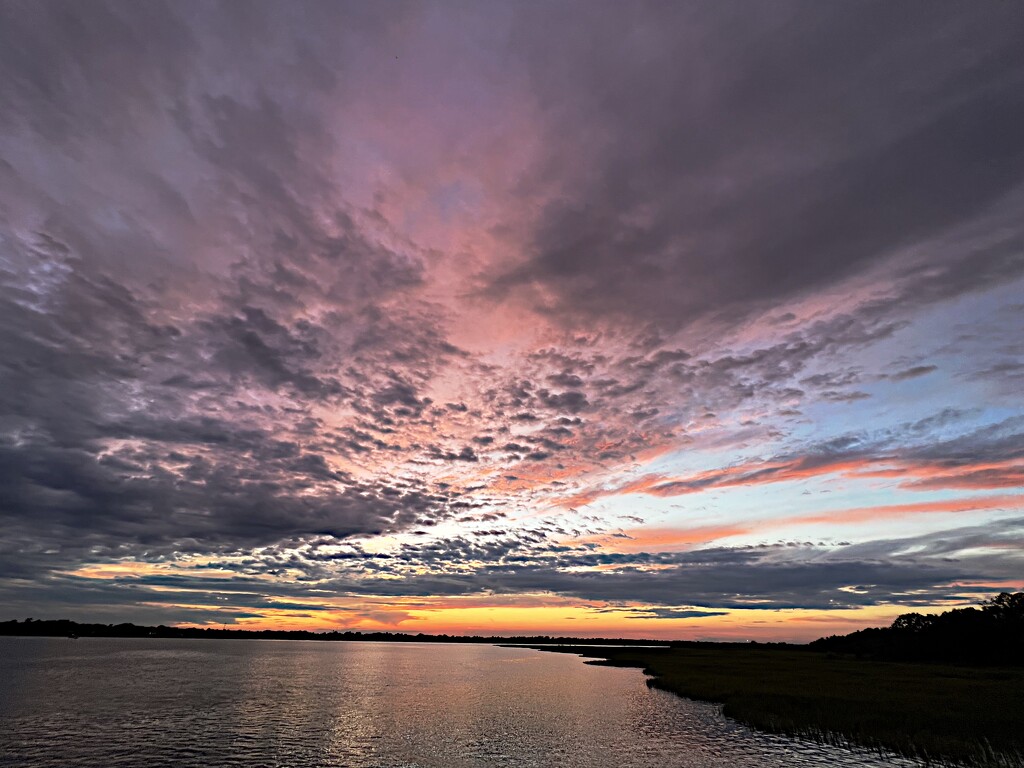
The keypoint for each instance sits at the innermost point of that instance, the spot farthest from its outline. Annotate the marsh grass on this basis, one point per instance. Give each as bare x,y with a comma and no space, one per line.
971,716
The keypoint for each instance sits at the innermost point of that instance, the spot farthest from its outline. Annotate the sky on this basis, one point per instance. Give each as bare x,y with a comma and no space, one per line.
672,320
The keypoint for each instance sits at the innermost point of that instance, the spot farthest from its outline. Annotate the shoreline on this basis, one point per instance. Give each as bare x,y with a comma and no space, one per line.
67,628
966,716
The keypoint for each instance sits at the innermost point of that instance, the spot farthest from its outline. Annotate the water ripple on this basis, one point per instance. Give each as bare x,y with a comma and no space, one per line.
199,703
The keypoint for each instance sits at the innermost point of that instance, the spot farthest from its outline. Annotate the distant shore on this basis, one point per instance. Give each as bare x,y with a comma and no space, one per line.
969,715
67,628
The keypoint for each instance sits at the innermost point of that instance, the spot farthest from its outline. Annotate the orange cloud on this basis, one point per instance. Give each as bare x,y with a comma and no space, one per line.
923,476
668,539
598,620
889,511
754,473
1008,474
671,539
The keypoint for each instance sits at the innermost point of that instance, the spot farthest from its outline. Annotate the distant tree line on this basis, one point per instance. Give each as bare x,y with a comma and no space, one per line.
67,628
993,633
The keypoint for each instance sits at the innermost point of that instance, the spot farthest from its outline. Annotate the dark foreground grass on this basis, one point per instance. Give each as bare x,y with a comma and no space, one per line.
968,715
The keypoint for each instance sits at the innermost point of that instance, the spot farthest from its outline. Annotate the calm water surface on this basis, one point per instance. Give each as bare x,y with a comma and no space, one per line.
114,702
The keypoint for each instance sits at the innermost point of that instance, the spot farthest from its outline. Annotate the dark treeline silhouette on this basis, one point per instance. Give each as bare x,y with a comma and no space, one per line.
990,634
67,628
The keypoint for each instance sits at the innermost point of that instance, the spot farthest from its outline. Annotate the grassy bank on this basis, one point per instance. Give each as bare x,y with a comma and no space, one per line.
969,715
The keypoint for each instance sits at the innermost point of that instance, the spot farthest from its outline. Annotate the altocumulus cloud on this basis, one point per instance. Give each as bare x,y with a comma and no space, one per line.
373,302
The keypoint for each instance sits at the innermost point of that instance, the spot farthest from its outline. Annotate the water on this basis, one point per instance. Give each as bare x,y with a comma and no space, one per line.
253,703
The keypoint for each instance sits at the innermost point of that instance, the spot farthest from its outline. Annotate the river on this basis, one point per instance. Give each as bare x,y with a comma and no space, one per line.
207,703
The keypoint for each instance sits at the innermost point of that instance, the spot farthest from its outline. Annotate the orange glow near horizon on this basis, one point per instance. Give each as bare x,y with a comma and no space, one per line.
792,625
558,616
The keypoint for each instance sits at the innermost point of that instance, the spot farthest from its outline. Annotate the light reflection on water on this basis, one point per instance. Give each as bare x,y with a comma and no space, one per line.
121,702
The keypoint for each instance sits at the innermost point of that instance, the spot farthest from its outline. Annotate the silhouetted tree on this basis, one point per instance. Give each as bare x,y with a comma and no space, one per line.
990,634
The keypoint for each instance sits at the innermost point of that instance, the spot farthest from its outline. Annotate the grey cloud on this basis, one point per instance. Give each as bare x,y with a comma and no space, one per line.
572,401
757,179
768,578
675,613
182,284
913,373
105,451
566,380
689,584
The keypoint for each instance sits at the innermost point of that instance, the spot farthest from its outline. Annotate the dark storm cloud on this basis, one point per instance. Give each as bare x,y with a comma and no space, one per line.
738,156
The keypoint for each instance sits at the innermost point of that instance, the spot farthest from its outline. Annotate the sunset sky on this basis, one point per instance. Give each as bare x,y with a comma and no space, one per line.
669,320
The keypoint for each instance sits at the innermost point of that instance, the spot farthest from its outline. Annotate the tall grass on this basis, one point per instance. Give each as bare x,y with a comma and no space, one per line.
970,716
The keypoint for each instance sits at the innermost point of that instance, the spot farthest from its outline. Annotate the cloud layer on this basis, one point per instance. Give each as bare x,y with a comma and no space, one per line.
658,313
